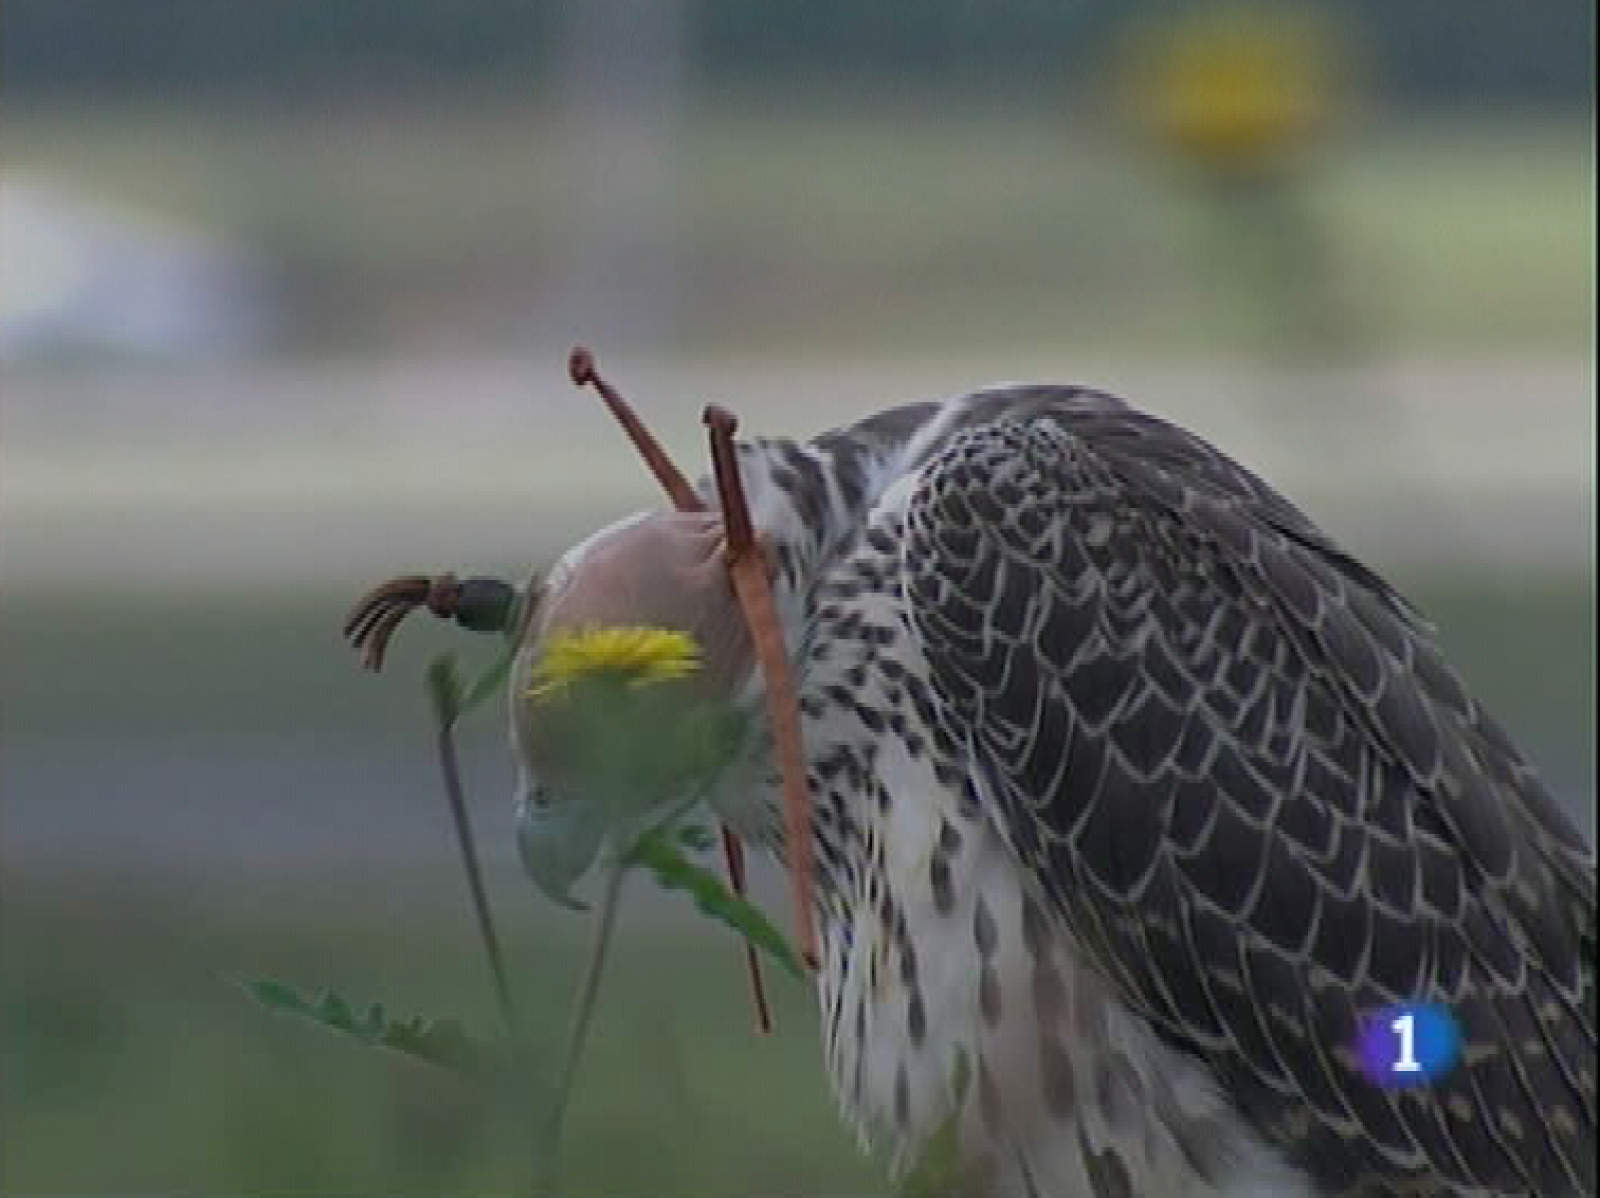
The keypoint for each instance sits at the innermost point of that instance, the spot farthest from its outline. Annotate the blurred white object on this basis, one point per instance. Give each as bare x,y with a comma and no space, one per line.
85,276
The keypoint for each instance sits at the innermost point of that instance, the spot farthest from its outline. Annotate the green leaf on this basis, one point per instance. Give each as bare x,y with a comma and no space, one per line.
450,702
696,839
488,682
273,994
656,852
440,1042
333,1010
444,688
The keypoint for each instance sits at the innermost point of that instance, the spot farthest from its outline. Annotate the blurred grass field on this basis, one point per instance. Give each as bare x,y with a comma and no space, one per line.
244,802
133,1066
894,227
200,784
257,807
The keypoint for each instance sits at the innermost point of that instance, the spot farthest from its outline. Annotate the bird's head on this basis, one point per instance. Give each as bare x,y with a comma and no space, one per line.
634,656
625,691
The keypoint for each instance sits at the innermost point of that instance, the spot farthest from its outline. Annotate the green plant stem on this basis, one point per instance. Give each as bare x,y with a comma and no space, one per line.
547,1145
445,706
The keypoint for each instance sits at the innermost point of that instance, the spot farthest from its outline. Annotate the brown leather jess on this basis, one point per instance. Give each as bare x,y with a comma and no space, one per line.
749,573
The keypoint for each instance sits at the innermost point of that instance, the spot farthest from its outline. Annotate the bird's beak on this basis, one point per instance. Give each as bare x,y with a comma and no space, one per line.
558,843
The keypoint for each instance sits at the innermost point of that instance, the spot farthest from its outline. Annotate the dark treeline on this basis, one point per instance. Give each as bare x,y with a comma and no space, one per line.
1434,52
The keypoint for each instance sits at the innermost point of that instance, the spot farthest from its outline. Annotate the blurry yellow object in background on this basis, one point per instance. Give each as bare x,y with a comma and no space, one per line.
1236,87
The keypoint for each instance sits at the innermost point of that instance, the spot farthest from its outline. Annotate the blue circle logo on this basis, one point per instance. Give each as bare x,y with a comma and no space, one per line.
1408,1044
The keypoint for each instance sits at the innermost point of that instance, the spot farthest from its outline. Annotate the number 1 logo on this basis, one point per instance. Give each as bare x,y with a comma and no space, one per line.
1408,1044
1406,1027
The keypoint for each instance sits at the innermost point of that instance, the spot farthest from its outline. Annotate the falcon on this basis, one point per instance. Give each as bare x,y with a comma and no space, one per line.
1126,797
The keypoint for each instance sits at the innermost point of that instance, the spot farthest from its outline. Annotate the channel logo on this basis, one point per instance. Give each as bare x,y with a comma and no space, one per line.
1408,1044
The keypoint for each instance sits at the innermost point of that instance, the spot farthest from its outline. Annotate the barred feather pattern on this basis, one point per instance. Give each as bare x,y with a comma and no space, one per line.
1088,702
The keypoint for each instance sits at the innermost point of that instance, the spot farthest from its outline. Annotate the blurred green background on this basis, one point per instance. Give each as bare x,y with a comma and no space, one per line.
288,288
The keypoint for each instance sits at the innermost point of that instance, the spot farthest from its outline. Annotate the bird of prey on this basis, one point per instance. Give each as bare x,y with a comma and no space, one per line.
1130,796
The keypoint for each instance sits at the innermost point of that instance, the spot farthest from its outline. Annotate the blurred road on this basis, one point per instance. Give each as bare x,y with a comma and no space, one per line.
324,474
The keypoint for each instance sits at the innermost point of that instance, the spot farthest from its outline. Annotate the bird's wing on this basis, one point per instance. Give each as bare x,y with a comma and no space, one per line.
1235,761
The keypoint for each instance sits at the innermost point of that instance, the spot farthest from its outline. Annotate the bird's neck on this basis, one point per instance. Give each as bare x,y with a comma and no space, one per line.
809,499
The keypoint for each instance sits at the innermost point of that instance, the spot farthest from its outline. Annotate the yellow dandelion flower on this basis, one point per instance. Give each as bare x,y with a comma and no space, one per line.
1236,87
636,655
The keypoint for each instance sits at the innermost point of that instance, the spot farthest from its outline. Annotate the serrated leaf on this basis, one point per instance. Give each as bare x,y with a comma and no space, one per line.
332,1009
274,994
440,1042
656,852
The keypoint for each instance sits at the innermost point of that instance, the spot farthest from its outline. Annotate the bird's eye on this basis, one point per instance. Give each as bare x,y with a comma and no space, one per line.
534,793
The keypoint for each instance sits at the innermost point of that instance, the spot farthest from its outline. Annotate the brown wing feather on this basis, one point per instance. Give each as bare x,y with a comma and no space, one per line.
1257,793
